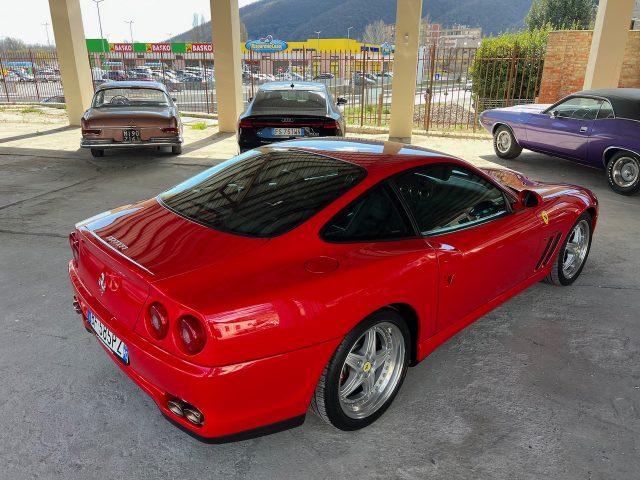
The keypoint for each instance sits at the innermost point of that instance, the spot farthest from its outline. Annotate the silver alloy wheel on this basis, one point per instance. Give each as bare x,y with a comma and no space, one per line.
625,172
576,249
503,141
372,370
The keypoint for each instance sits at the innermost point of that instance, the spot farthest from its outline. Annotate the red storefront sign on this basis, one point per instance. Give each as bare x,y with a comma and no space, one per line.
199,48
159,47
121,47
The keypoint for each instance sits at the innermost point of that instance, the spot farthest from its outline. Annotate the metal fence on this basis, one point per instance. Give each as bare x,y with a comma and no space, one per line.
453,85
30,76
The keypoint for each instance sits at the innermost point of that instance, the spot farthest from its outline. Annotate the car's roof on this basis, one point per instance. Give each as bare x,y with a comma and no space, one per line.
132,84
293,85
369,154
625,101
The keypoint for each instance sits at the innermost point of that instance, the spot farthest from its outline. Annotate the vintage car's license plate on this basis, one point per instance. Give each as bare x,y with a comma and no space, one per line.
110,340
131,135
288,132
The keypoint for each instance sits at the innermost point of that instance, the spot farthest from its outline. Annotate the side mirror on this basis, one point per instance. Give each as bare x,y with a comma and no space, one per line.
250,99
174,99
529,198
341,101
553,113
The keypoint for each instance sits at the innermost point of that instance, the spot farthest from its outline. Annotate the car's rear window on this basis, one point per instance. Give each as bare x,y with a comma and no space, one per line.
268,101
124,97
263,194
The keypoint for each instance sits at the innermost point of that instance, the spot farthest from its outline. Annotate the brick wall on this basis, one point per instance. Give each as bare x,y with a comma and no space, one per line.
566,62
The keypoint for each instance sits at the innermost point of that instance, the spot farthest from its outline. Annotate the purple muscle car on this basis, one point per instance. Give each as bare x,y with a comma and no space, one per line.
598,128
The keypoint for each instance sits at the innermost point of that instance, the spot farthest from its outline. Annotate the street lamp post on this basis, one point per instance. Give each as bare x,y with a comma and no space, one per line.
97,2
130,22
46,29
348,36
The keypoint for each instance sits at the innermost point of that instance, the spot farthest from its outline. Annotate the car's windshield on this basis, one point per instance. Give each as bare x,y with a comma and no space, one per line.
269,101
263,194
124,97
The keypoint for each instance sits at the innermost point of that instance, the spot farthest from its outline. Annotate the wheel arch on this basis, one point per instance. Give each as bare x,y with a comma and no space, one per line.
503,124
609,152
410,316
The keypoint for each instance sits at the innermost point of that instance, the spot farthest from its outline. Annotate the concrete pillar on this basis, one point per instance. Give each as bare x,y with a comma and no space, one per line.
607,46
405,60
225,22
73,59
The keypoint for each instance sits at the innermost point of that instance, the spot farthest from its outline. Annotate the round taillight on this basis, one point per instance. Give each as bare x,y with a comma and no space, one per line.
158,320
191,334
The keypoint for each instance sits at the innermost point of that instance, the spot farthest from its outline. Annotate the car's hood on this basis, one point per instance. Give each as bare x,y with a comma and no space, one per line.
125,114
528,108
161,242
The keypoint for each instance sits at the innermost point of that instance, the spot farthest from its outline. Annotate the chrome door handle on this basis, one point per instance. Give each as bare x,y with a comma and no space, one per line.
583,129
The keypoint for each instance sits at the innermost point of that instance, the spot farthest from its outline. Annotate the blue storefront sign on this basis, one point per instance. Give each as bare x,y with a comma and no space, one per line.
266,45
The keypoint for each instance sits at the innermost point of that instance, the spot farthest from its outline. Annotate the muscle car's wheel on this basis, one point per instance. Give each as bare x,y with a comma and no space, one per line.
97,152
505,144
623,173
176,149
365,372
573,253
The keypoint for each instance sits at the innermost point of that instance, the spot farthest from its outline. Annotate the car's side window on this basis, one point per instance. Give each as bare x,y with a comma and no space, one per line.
447,197
580,108
606,110
374,216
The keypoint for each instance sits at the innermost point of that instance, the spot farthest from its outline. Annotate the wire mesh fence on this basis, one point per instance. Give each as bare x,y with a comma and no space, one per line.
453,85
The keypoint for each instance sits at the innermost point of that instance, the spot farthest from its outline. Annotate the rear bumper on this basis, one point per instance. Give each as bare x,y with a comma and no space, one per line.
153,142
238,401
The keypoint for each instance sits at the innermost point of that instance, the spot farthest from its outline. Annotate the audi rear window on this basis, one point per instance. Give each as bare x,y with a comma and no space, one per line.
269,101
263,194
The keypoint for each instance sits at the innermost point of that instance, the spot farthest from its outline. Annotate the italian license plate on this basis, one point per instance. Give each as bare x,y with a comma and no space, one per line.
288,132
108,338
131,135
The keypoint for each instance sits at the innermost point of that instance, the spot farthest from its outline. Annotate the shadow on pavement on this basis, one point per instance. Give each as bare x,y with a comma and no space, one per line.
38,134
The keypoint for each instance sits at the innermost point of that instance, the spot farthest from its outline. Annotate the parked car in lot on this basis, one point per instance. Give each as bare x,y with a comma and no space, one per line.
597,128
313,272
358,79
282,110
131,114
116,75
324,76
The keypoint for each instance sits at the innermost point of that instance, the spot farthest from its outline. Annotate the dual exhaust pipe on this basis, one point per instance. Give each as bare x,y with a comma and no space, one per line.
184,410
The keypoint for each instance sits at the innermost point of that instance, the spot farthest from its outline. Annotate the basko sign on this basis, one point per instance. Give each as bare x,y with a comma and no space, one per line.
121,47
199,47
159,47
266,45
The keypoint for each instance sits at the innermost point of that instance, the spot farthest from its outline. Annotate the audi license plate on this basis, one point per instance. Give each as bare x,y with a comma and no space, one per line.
108,338
288,132
131,135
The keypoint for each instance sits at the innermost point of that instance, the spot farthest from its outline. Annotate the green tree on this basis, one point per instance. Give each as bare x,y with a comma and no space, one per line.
561,14
507,69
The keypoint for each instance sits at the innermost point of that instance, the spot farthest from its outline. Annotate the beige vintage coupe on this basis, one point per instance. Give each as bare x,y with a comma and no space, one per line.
131,114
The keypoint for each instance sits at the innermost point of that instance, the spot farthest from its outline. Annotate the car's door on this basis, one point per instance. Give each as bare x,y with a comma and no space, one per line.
564,128
484,248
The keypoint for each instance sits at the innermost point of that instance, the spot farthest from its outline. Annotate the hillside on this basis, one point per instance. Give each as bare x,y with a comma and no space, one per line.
299,19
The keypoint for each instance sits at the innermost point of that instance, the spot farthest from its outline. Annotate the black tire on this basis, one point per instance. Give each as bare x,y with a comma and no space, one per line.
557,275
619,163
176,149
505,144
97,152
325,402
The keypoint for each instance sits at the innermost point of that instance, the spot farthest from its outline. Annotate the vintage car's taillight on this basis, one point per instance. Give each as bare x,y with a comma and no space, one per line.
91,131
191,334
157,320
170,130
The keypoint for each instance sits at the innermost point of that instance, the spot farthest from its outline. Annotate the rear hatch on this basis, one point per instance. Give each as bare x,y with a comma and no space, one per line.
136,245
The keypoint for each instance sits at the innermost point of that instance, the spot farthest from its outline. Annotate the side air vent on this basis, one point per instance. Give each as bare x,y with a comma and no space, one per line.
550,247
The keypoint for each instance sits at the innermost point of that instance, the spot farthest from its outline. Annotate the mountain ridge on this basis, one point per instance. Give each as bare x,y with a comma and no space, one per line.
299,19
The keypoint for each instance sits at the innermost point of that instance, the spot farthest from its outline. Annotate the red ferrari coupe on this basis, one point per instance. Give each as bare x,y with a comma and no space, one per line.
313,273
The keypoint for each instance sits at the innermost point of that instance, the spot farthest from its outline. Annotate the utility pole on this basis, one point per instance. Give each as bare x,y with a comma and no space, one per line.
318,32
46,29
130,22
97,2
348,36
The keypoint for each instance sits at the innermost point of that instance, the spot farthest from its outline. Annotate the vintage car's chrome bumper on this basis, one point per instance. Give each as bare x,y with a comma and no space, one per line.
152,142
